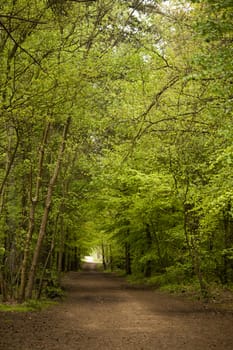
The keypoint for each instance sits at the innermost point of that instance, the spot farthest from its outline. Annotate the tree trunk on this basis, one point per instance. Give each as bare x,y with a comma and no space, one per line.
148,267
40,287
228,243
127,259
9,165
191,226
61,261
110,257
44,220
103,257
33,205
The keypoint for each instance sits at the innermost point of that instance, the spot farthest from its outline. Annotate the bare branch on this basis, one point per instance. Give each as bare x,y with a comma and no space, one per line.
158,95
22,19
18,45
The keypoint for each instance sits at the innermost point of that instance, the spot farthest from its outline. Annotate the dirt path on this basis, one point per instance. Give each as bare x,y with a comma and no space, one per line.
101,312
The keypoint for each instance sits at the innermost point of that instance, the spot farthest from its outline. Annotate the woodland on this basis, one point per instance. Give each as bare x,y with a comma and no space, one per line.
116,135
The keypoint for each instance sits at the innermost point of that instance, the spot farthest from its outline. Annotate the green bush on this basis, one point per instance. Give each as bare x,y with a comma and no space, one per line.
54,292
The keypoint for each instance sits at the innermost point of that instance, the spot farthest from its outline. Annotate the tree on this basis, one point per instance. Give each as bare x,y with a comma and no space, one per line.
144,172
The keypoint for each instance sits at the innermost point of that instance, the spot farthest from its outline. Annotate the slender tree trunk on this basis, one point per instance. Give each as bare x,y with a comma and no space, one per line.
103,256
33,205
148,267
44,268
9,164
228,243
76,259
60,260
110,257
44,220
127,259
3,287
191,225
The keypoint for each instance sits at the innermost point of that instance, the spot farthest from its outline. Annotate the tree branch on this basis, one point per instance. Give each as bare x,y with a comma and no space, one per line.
21,19
18,45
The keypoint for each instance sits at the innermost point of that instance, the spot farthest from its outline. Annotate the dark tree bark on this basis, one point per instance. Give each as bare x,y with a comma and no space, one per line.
103,257
128,269
148,267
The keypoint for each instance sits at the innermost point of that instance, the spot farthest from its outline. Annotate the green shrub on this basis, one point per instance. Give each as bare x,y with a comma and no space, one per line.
54,292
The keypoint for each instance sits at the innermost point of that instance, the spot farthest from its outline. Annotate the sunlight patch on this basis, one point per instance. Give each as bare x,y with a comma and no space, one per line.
88,258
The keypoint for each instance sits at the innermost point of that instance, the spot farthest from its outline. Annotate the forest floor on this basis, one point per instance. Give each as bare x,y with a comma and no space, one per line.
101,311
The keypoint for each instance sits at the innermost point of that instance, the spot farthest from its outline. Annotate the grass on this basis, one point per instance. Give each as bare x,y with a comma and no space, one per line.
30,305
219,295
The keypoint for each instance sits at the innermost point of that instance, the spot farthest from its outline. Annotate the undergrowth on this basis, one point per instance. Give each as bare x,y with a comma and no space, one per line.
178,280
30,305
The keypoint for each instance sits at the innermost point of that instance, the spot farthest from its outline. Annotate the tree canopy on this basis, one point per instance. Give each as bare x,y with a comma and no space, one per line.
115,135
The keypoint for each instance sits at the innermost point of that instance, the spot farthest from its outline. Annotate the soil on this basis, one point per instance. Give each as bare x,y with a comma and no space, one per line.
101,312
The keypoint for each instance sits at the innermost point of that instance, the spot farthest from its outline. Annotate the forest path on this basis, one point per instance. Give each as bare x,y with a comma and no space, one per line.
102,312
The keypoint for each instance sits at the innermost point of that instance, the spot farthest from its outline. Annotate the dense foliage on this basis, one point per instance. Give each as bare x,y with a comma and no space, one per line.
116,134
